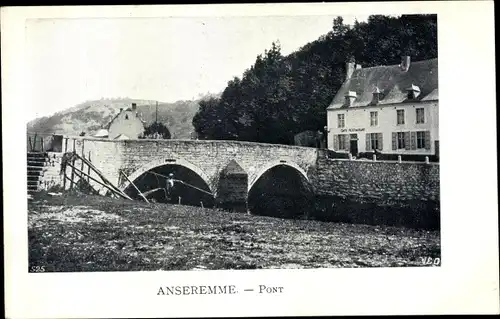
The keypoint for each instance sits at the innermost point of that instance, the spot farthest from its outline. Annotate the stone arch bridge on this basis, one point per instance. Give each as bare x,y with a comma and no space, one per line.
366,191
210,160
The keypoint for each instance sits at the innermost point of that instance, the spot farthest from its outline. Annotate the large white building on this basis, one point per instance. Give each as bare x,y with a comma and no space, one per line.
391,109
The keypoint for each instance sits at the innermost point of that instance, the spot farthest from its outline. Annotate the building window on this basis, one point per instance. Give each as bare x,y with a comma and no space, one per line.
341,120
420,116
400,117
421,139
401,140
373,141
342,141
373,118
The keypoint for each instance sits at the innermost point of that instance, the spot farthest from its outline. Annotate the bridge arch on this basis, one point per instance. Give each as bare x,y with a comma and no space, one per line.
162,162
274,164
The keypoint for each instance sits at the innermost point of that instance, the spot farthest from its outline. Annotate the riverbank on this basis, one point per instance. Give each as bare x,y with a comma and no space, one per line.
94,233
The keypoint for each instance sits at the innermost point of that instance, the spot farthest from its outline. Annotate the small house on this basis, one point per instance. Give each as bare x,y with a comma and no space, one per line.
127,123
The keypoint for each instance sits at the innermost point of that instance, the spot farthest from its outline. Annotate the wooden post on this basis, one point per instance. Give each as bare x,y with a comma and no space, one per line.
41,142
104,179
83,154
66,145
88,178
179,200
102,184
74,145
34,142
64,178
143,197
72,172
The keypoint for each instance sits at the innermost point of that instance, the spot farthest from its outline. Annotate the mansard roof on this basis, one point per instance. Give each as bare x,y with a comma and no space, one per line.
392,81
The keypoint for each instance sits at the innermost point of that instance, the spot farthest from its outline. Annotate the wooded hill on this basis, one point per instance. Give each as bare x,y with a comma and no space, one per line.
90,116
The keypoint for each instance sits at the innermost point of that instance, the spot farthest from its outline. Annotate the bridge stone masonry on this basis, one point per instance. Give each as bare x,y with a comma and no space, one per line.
356,191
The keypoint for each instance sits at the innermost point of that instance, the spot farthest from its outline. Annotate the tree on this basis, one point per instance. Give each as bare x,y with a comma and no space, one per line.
157,130
280,96
206,119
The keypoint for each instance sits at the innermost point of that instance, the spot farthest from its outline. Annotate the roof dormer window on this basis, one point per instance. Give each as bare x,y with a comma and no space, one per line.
350,97
377,95
413,92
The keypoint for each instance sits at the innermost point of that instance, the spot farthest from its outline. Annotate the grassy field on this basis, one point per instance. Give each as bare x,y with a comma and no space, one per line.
91,233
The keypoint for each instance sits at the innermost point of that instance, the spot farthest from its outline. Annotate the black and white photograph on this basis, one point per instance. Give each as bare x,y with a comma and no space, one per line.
248,151
315,148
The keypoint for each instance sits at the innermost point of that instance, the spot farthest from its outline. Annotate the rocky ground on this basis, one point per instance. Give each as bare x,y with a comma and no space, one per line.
74,232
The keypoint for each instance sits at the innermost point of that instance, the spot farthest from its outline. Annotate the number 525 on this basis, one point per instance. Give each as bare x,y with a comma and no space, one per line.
37,269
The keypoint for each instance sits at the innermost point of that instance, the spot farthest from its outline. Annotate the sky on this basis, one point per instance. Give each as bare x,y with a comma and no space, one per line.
70,61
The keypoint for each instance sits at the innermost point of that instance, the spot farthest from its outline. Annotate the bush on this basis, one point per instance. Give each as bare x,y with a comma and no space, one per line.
157,130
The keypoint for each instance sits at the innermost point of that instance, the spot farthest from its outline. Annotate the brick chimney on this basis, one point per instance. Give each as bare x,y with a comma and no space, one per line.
349,67
134,106
405,63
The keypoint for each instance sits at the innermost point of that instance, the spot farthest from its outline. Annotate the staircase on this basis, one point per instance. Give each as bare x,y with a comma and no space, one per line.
37,163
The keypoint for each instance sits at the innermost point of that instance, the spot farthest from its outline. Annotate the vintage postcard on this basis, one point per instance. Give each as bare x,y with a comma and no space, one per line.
251,160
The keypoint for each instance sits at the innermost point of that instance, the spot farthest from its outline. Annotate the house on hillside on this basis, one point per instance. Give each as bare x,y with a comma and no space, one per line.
390,109
126,125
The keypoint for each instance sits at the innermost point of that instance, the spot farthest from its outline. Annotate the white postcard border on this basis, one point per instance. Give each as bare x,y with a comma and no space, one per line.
467,281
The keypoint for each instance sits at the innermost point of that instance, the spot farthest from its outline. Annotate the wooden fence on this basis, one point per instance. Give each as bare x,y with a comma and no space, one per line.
44,142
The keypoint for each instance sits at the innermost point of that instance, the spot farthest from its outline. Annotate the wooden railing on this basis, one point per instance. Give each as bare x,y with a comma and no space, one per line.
44,142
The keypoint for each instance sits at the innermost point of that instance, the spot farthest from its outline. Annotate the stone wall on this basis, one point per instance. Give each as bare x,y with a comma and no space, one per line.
378,192
232,188
105,154
51,176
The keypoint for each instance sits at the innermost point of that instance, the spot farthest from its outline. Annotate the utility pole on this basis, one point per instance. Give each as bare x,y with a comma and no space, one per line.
156,112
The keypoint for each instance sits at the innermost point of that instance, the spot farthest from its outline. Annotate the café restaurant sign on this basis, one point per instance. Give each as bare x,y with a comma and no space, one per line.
352,130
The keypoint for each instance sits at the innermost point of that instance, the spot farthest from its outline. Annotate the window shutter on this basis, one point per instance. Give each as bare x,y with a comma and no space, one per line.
427,140
380,141
346,142
335,142
368,148
408,141
394,141
413,140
